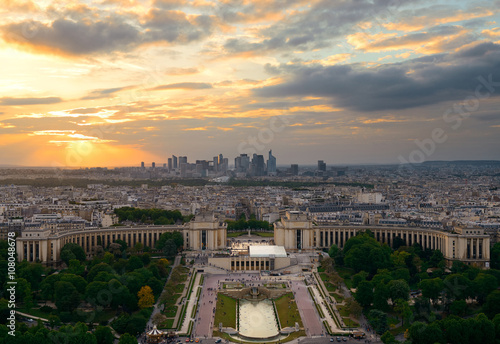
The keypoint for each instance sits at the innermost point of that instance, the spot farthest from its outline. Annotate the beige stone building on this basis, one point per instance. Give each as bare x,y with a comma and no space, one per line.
295,232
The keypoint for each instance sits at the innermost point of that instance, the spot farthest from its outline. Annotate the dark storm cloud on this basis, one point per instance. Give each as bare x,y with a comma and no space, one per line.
29,101
183,86
414,83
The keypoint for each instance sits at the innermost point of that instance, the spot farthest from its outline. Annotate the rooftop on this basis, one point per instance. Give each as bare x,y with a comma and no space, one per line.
265,251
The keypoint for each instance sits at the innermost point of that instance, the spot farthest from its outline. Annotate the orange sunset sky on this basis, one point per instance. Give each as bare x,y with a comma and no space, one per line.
117,82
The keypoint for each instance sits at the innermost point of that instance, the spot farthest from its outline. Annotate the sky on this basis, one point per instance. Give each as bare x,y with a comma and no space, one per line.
117,82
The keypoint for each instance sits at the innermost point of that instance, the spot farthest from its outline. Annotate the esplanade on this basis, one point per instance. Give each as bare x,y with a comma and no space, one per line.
295,232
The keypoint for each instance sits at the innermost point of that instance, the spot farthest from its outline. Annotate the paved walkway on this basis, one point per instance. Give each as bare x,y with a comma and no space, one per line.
324,308
307,310
31,316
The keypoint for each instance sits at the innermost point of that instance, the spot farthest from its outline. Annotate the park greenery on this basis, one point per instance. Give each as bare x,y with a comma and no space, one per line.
87,300
411,291
150,216
252,223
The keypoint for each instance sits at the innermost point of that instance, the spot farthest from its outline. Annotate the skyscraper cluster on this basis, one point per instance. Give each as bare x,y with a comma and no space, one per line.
256,166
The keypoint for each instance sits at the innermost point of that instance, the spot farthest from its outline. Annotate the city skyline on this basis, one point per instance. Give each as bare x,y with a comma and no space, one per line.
114,83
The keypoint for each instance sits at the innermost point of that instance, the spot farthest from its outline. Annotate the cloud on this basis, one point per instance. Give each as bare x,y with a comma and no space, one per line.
412,83
196,129
67,37
183,86
182,71
29,101
413,20
105,93
6,126
81,30
312,27
18,6
436,39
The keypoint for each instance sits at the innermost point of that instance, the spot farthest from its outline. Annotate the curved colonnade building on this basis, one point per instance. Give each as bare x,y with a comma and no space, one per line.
295,231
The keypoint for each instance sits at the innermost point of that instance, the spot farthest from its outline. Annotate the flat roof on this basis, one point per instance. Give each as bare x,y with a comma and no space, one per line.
265,251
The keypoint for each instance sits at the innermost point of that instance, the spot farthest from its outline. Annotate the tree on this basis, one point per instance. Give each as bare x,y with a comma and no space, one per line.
104,335
78,282
358,278
398,242
23,290
388,338
399,258
495,256
363,252
146,297
403,308
97,293
134,263
116,249
485,329
483,285
170,249
353,307
333,251
436,258
98,268
127,339
458,307
456,286
54,321
378,320
72,251
421,333
67,297
492,305
380,296
75,267
399,289
364,294
432,288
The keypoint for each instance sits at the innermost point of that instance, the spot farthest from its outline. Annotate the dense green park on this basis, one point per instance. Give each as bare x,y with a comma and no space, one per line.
411,291
86,299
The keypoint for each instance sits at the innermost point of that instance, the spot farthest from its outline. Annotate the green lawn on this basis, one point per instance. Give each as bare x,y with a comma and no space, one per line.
350,323
225,311
288,312
235,234
330,287
170,311
338,298
179,288
169,323
343,312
